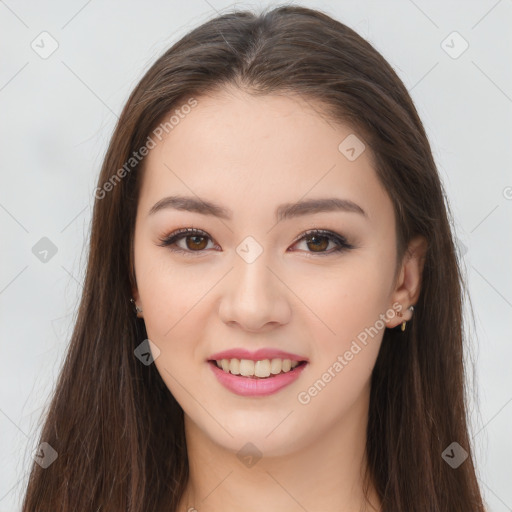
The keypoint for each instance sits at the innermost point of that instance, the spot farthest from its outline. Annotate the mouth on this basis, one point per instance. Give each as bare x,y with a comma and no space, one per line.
264,369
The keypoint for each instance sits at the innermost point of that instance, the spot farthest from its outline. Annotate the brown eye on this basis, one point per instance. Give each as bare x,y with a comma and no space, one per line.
317,243
195,241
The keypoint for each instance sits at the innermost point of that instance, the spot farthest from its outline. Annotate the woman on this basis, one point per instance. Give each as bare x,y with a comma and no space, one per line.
270,208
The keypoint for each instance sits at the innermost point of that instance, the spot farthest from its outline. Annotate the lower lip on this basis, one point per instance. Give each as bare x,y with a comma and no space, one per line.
246,386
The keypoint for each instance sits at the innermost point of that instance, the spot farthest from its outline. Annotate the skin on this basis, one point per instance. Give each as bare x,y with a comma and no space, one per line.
250,155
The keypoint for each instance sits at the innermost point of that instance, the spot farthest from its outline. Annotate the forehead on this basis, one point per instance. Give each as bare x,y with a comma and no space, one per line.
257,150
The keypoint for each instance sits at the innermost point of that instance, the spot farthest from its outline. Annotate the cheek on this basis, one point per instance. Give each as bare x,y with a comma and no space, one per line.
344,354
353,298
177,312
174,319
168,290
351,309
172,304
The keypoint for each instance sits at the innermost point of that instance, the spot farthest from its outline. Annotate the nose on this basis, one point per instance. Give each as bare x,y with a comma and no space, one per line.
255,297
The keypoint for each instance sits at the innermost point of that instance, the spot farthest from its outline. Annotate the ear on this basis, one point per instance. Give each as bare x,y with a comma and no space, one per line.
136,298
408,284
133,281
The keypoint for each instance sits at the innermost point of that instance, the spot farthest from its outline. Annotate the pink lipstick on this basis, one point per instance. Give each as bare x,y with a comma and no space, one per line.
257,386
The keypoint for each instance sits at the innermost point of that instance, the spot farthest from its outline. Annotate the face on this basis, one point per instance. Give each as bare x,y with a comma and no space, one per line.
250,279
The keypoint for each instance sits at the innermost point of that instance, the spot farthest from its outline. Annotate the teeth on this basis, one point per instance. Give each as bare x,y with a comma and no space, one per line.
275,366
261,369
246,367
234,366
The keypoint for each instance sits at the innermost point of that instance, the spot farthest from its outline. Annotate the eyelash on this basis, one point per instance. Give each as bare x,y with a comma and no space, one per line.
172,238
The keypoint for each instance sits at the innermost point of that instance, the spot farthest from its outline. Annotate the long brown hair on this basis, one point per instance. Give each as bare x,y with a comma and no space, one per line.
115,426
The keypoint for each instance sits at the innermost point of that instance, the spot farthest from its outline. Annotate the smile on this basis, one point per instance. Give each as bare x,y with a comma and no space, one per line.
256,378
259,369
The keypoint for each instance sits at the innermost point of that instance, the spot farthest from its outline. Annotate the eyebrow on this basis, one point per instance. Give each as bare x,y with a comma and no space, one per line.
283,212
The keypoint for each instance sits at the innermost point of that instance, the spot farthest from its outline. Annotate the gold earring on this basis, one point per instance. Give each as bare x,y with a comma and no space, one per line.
137,309
404,323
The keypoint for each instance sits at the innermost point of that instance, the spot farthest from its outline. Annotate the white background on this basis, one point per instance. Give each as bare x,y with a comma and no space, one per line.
57,117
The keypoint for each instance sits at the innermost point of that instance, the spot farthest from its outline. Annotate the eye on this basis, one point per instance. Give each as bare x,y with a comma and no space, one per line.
319,239
196,240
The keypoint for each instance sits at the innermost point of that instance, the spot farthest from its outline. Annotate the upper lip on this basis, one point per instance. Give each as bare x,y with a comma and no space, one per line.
258,355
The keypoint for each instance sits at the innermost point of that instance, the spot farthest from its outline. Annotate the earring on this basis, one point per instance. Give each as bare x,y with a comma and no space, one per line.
137,309
404,323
